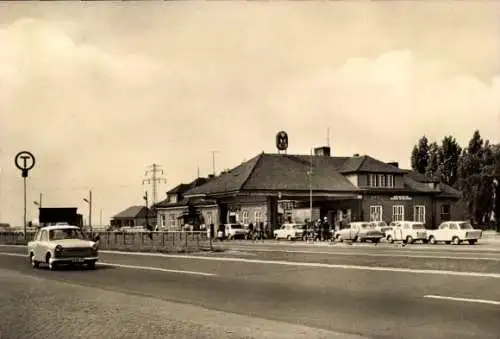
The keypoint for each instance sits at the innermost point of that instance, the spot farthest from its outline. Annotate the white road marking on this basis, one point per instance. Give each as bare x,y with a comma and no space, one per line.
469,300
147,268
150,268
396,254
313,264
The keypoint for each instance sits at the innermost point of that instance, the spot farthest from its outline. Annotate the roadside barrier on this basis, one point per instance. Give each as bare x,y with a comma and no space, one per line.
172,241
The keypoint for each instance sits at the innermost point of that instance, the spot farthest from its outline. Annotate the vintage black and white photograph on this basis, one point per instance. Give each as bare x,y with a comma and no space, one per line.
250,169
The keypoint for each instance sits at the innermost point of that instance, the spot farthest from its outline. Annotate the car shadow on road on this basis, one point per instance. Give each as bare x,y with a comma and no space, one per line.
75,268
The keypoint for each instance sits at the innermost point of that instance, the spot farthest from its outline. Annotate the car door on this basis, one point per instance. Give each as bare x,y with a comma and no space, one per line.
353,231
40,245
34,243
454,229
441,232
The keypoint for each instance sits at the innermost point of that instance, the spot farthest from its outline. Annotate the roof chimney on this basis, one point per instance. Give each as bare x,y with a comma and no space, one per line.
322,151
210,176
355,155
395,164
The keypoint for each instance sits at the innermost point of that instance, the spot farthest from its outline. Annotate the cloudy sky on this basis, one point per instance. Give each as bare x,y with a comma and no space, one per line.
98,91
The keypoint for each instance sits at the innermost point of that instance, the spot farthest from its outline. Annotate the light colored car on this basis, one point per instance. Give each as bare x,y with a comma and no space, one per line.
359,231
408,232
62,245
382,226
455,232
235,231
289,231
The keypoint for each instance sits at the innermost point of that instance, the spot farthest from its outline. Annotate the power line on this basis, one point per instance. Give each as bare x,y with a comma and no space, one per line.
154,169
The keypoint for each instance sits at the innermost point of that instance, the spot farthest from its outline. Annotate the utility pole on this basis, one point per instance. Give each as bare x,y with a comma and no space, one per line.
40,201
145,197
89,201
213,161
154,169
100,217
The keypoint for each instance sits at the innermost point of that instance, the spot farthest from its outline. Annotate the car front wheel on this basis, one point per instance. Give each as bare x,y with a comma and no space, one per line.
432,240
33,262
91,265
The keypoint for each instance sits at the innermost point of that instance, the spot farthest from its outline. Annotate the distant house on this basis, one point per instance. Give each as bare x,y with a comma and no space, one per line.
133,216
4,227
176,210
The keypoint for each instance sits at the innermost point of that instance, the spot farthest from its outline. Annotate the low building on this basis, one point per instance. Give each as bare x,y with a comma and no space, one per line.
134,216
177,210
272,188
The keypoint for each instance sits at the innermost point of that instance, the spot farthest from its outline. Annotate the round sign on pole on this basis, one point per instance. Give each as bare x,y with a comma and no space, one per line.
25,161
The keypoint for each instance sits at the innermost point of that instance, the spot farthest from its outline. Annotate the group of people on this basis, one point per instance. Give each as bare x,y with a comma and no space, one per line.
319,230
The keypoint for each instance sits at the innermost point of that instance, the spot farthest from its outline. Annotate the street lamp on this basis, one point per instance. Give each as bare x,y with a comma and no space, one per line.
89,201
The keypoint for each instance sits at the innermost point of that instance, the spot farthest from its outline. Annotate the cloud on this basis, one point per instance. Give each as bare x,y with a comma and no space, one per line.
96,104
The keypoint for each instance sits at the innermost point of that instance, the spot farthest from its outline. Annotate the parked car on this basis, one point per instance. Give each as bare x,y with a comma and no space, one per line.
359,231
455,232
382,227
235,231
289,231
408,232
62,245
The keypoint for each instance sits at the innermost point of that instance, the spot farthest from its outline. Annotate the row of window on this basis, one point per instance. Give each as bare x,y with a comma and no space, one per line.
398,213
173,221
245,217
381,180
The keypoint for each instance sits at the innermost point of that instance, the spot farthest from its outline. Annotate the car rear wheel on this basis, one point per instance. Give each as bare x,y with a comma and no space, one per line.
390,239
455,241
339,238
432,240
33,262
409,239
472,242
288,237
91,265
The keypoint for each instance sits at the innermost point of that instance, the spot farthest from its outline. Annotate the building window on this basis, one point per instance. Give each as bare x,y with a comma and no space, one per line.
373,180
258,217
419,213
398,213
445,213
381,180
163,220
375,213
244,217
172,220
209,218
390,180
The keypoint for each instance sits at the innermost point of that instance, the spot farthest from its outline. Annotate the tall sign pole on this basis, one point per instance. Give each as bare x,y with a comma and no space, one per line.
25,161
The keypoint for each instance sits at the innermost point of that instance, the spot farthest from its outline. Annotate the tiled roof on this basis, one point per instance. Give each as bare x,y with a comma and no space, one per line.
181,188
229,181
418,182
292,171
188,201
133,212
366,163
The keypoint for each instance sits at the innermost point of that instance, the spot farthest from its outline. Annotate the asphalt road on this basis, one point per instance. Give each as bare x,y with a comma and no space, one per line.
366,291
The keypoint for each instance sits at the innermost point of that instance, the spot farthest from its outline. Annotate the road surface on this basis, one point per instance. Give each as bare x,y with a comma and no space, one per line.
255,291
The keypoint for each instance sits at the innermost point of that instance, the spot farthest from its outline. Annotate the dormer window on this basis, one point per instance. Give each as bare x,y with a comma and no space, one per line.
381,180
390,180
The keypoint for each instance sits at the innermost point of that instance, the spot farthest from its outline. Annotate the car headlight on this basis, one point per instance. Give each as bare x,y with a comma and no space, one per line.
58,250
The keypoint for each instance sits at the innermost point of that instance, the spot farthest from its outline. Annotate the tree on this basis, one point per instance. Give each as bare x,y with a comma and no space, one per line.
434,160
451,152
476,181
420,155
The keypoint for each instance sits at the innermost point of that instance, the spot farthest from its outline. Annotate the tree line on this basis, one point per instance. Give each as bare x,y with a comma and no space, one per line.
473,170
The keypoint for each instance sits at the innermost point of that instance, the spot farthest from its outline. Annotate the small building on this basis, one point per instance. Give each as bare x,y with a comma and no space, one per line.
177,210
273,188
134,216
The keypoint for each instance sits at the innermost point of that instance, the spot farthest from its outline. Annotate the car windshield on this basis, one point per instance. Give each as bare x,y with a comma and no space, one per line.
418,226
65,233
297,227
465,226
236,226
367,226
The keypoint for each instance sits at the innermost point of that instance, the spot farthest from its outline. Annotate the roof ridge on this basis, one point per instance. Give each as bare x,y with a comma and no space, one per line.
259,158
362,162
